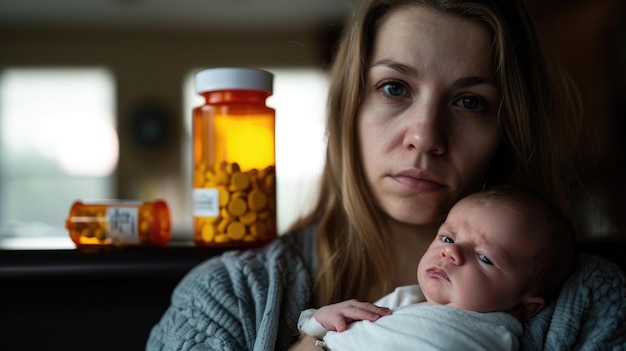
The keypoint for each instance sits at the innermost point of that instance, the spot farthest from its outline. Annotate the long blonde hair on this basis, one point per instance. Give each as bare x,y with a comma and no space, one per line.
539,119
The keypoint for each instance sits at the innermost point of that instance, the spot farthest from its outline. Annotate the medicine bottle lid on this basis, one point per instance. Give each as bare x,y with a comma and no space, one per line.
233,78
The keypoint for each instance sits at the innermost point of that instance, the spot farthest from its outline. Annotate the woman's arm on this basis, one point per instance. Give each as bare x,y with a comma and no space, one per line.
248,300
203,314
589,314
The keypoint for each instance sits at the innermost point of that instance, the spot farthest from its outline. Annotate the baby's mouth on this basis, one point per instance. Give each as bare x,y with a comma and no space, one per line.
436,272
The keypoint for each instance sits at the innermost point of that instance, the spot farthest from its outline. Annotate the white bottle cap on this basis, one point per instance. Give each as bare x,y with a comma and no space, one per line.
233,78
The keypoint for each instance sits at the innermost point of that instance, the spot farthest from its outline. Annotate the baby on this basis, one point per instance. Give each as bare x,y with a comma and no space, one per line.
498,258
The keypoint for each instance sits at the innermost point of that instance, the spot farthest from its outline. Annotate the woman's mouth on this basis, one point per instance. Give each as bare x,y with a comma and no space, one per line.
417,180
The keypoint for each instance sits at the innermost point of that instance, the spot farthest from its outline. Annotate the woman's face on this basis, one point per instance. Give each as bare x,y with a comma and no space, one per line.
427,126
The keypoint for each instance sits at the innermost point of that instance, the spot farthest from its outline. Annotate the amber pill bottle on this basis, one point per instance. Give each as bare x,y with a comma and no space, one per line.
234,178
119,223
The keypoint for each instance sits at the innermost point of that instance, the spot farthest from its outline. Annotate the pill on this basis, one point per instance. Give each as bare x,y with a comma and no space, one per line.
225,214
223,225
232,168
99,233
257,200
246,200
236,231
249,238
248,218
208,232
221,179
222,238
237,207
87,233
259,229
224,195
239,181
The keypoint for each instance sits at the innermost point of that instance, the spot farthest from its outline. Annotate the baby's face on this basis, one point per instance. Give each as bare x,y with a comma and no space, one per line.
480,260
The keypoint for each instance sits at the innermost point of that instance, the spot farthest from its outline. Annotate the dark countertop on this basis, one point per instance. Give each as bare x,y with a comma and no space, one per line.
88,299
100,263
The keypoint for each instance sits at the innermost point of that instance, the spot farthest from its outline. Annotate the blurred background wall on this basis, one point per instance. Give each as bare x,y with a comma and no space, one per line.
151,48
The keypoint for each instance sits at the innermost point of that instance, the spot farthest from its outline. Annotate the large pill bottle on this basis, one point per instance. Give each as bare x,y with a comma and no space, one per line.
234,159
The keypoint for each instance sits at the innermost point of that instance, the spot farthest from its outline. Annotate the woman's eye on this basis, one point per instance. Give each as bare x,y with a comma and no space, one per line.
484,259
471,103
447,239
393,89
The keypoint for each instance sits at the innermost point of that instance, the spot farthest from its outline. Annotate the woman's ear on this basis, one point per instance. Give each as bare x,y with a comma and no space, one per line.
528,307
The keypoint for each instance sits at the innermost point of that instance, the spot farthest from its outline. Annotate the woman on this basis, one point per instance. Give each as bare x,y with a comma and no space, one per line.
430,100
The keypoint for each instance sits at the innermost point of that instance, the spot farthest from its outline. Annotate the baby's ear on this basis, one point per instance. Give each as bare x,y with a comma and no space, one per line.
530,306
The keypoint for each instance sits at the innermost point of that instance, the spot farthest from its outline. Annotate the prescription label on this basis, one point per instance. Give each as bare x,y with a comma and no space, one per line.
206,202
122,223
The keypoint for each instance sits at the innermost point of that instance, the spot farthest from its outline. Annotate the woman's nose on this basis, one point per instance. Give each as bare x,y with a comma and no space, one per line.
453,254
425,132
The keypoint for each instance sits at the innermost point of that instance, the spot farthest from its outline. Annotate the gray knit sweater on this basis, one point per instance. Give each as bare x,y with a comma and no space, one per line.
251,300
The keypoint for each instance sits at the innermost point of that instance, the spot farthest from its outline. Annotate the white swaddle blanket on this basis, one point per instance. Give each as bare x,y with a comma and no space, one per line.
420,326
430,327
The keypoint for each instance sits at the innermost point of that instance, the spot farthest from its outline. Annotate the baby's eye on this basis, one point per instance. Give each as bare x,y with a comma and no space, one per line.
393,89
470,102
447,239
484,259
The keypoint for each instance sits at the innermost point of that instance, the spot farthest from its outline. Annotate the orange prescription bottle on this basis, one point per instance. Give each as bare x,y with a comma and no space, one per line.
234,178
119,223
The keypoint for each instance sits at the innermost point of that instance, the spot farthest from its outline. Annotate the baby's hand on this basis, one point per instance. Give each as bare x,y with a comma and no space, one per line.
336,317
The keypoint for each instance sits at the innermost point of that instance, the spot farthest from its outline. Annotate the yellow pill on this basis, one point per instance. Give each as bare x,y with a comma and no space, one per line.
208,233
209,184
232,168
239,181
248,218
223,166
224,195
209,178
237,207
257,200
222,238
87,233
259,229
221,179
253,173
211,220
268,184
225,214
238,195
249,238
236,231
223,225
99,233
199,178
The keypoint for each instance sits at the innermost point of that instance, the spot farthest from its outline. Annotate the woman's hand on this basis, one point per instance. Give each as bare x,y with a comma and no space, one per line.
336,317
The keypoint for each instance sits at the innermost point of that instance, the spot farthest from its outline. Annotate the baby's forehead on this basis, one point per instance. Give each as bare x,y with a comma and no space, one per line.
515,220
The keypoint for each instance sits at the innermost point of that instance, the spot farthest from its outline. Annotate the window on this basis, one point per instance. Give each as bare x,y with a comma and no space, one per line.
58,143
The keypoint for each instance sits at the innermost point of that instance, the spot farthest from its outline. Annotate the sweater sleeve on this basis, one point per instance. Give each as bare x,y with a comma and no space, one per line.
203,314
589,314
241,300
